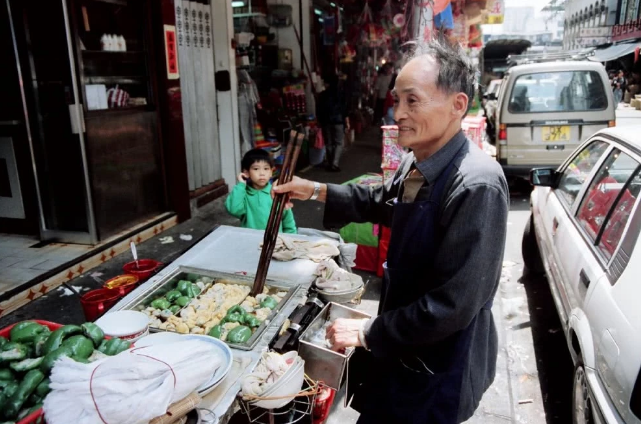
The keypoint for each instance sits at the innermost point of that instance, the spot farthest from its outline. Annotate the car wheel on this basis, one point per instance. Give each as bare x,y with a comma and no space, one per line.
530,250
581,400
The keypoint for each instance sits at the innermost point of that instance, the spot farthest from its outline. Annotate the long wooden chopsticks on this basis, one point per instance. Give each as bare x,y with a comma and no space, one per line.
278,208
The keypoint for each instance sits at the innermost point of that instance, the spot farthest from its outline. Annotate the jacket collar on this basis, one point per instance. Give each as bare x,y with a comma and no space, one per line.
433,166
267,189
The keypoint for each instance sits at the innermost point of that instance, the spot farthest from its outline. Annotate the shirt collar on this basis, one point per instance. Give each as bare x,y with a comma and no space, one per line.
267,189
432,167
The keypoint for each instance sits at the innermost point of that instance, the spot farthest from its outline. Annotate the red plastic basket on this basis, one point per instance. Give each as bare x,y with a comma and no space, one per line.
33,417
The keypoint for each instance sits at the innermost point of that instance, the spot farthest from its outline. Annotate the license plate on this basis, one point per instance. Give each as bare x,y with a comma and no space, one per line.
555,133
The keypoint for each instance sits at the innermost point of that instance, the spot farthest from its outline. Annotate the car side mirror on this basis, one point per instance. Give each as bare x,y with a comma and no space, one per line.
491,96
543,177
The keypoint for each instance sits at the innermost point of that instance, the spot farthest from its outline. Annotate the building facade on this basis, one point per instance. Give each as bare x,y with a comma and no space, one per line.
627,23
588,23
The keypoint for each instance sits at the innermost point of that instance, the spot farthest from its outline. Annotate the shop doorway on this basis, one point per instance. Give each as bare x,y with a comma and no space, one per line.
90,117
46,69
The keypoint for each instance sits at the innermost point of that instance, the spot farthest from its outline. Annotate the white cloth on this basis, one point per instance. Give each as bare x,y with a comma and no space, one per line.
288,249
132,387
271,367
331,277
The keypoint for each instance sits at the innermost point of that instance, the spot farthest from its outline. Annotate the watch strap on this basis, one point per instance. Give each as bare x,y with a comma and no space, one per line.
317,190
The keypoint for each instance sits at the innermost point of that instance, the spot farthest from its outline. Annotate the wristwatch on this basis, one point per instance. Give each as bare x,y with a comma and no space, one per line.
317,188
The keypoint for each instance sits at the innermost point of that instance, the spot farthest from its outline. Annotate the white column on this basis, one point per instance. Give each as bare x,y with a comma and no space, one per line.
225,60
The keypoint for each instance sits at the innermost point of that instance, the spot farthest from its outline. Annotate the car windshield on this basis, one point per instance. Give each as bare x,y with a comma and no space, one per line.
568,91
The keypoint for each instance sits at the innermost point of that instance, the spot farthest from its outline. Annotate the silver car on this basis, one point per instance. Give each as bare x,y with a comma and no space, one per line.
584,235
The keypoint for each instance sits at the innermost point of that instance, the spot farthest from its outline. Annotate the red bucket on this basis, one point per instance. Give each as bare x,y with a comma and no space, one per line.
143,269
96,302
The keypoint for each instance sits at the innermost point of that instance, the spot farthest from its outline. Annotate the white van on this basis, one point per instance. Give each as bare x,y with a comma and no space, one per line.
547,109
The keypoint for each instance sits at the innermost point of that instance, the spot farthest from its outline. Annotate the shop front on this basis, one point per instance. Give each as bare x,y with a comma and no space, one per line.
81,134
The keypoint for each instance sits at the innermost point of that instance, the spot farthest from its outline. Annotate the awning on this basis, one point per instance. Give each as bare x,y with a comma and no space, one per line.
614,52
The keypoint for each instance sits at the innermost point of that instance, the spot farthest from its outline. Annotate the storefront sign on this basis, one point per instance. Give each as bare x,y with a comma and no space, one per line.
495,12
592,41
171,52
603,31
627,31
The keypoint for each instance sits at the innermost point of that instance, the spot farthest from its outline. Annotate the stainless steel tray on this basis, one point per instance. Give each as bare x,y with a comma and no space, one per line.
323,364
188,273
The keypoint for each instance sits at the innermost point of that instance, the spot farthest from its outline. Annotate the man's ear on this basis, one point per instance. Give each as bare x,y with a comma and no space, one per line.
459,105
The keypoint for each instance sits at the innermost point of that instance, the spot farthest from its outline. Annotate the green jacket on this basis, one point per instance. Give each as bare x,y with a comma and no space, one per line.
253,206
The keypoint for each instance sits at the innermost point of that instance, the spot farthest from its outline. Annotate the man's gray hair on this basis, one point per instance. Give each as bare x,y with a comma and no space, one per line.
456,72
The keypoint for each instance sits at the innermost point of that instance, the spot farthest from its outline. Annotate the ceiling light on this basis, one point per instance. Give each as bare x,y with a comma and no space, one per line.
238,4
333,4
320,20
318,12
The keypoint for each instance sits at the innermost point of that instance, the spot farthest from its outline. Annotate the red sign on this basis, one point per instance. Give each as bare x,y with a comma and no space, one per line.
627,31
171,52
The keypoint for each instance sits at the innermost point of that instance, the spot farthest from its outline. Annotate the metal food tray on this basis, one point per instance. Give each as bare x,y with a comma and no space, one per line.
323,364
169,282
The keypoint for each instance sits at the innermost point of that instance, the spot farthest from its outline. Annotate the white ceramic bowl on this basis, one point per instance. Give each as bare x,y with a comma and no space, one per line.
288,386
291,371
127,325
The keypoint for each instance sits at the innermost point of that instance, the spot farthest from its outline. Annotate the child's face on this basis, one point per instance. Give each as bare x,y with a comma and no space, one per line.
260,174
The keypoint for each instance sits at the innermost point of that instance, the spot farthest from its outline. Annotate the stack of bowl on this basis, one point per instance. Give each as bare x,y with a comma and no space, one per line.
340,296
286,387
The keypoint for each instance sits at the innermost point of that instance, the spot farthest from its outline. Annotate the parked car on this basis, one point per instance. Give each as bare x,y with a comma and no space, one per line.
584,235
546,109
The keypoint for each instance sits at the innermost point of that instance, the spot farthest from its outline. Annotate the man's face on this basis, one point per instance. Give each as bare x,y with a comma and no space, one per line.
422,112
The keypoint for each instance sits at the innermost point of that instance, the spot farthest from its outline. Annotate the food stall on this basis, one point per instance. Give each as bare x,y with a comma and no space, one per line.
230,252
157,331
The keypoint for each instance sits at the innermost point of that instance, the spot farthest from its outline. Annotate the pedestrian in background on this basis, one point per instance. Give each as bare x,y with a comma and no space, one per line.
382,86
332,117
388,119
618,86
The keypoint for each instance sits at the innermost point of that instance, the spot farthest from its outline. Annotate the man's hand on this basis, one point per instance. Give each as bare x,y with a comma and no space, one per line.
344,333
299,189
242,178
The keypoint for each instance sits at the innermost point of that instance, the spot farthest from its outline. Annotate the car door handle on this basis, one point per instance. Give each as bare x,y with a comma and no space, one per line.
555,226
584,278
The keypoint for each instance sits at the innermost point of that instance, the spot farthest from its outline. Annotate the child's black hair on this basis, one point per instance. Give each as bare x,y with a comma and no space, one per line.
256,155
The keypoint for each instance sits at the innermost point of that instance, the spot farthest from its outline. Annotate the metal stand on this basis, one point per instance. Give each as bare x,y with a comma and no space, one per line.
291,413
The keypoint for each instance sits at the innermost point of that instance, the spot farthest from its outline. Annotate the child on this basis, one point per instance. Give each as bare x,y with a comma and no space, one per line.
251,199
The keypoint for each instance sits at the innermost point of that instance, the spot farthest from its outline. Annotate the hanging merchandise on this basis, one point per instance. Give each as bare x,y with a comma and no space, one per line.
280,15
329,30
399,20
441,5
460,32
248,100
444,19
475,36
294,99
386,19
495,11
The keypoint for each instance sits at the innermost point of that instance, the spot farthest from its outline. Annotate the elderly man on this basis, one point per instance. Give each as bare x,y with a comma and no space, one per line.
433,346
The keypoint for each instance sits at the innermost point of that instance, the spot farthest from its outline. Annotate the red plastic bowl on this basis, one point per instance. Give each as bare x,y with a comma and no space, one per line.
124,284
96,302
144,269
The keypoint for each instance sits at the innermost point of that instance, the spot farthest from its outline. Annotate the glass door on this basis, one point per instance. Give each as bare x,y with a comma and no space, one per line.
43,35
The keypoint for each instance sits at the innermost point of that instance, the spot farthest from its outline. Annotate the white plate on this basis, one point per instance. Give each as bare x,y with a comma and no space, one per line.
224,352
